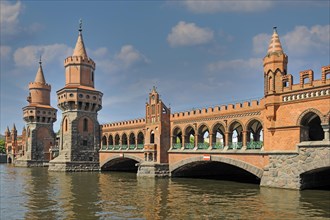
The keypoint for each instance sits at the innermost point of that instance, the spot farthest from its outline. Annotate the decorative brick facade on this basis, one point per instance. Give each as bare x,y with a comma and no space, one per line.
252,135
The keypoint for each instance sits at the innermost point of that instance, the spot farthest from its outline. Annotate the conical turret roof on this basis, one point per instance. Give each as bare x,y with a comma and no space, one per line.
14,127
275,44
40,74
80,50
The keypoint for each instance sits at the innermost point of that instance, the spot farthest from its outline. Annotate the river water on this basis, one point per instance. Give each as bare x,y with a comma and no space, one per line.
35,193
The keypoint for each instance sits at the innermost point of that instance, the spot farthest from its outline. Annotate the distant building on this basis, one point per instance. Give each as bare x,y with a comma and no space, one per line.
15,144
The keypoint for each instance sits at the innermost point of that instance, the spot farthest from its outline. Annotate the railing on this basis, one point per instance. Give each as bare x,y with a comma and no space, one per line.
235,145
140,146
217,145
189,146
116,147
203,146
110,147
176,146
254,145
124,146
104,147
131,147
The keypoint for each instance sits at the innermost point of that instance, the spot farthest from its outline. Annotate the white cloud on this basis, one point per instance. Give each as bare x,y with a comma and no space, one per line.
235,65
210,6
126,58
302,40
128,55
186,34
9,16
261,42
29,55
298,42
100,52
5,52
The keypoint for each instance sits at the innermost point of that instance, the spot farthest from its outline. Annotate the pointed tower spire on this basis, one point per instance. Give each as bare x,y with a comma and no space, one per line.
14,127
7,130
40,74
80,50
275,43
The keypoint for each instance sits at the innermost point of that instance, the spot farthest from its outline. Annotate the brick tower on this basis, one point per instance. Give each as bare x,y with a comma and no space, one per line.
39,116
157,143
275,66
79,101
275,76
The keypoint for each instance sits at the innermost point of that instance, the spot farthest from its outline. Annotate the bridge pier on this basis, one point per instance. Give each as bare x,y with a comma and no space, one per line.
296,170
151,169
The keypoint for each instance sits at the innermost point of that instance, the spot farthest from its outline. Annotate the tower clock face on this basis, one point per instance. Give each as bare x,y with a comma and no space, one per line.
153,97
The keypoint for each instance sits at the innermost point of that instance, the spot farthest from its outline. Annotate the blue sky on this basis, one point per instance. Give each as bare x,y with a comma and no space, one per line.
197,53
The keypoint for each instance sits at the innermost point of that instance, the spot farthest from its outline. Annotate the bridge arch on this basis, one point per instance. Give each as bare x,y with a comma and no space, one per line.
258,172
129,162
318,175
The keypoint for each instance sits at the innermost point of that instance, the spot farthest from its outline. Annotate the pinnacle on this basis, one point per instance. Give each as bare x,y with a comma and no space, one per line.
275,43
80,50
40,75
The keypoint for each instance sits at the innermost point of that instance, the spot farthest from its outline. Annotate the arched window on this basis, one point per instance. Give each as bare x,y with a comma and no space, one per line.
104,141
66,124
177,138
235,135
152,137
218,138
311,129
254,135
203,137
270,84
189,138
85,124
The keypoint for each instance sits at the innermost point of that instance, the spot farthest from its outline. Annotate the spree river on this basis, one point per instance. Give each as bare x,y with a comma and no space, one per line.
35,193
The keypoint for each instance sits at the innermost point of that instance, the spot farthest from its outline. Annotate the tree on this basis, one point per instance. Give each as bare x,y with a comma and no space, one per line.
2,146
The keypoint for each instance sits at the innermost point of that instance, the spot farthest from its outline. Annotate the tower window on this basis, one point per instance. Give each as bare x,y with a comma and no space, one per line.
66,125
85,124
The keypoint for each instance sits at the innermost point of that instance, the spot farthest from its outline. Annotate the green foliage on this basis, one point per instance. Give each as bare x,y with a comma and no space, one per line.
2,146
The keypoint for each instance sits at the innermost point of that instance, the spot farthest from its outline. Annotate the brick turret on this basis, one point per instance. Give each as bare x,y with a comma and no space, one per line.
275,66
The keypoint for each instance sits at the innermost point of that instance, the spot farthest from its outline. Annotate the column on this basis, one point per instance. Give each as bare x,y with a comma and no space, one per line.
183,141
210,140
326,129
244,141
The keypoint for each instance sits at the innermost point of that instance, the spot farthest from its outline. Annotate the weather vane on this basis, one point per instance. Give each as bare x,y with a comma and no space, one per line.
80,25
40,60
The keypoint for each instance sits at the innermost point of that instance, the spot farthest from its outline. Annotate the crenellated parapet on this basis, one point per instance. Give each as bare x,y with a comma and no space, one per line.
217,110
307,82
79,60
124,124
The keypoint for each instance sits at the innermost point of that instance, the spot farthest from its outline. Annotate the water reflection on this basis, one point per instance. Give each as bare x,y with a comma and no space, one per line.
36,193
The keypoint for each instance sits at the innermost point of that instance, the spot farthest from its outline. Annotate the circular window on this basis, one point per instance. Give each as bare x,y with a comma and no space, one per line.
43,112
31,111
71,94
87,96
81,96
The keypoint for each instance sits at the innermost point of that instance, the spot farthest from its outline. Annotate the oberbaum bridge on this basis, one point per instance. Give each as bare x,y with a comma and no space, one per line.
281,140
